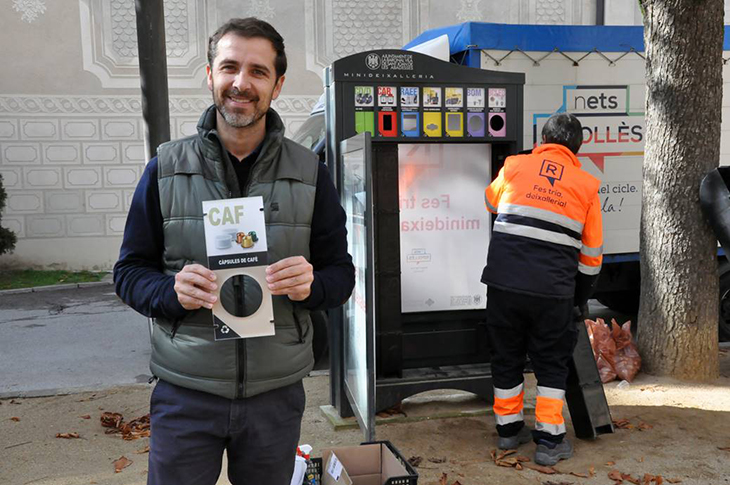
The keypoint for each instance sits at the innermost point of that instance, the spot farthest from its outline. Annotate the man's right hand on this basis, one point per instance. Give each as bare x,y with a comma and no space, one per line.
194,285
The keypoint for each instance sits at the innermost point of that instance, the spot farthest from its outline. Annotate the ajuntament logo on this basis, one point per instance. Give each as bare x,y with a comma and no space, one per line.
372,61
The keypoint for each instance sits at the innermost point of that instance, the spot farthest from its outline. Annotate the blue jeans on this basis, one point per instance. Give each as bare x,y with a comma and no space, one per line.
191,429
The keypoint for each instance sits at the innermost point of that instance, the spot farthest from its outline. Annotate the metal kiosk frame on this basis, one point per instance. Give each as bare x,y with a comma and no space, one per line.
407,353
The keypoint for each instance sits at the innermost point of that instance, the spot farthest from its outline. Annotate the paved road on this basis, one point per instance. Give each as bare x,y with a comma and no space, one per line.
55,341
81,339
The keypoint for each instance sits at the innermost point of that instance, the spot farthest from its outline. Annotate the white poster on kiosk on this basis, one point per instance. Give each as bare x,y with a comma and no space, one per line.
444,225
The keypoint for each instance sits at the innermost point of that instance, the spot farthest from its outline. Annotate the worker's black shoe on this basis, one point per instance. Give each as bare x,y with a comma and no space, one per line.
512,442
549,453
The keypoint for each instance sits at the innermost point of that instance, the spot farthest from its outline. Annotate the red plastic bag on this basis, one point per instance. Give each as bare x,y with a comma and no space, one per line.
604,348
627,361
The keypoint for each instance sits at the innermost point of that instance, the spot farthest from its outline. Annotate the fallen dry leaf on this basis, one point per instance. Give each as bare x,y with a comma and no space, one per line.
615,475
503,459
146,449
674,480
437,460
15,418
111,420
456,483
644,426
68,436
443,479
647,479
629,478
122,463
621,423
658,480
13,401
392,411
592,471
548,470
724,448
505,453
610,463
415,461
85,416
579,475
135,429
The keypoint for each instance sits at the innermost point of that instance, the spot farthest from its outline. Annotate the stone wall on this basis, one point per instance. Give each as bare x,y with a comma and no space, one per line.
71,132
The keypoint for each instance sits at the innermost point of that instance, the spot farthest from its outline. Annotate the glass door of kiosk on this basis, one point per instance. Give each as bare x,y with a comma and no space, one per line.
358,329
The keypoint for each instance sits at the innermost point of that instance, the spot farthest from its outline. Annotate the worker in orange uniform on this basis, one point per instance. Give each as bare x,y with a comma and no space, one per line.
544,259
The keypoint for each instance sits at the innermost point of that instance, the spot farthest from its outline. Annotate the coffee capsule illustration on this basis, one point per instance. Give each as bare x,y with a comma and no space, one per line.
239,237
247,242
223,241
253,235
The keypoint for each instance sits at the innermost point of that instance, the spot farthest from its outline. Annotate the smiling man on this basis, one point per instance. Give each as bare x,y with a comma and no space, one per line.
242,396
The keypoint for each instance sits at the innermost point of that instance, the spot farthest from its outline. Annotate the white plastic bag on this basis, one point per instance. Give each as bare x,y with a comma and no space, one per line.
300,464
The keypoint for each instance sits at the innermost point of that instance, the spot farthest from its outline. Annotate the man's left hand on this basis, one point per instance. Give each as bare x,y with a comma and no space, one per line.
291,277
581,312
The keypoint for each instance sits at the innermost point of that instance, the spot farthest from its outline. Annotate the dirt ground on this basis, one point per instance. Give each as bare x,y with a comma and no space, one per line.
677,431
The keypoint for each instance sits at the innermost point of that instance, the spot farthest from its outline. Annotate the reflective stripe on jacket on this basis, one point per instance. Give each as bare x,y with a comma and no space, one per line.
548,226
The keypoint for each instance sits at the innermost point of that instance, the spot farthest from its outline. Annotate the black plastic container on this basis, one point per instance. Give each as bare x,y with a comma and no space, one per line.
316,465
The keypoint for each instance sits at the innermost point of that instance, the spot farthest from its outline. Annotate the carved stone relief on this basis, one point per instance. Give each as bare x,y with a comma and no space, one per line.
338,28
261,9
550,12
470,11
109,41
557,12
30,10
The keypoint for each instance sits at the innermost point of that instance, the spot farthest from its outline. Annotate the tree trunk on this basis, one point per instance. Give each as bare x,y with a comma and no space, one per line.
678,313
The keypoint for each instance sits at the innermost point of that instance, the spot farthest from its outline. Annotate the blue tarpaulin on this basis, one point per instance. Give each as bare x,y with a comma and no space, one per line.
566,38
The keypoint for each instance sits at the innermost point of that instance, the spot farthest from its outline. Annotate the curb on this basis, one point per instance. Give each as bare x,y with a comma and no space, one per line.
69,391
67,286
339,423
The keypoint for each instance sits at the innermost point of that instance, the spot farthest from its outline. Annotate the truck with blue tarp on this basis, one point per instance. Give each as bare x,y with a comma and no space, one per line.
596,73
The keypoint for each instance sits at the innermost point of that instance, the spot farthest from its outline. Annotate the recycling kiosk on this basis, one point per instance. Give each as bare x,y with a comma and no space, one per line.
412,143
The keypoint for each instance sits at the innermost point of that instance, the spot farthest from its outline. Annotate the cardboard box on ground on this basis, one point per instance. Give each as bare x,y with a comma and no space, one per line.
367,464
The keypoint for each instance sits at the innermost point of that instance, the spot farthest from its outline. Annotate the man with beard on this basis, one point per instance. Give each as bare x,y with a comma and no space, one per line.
243,396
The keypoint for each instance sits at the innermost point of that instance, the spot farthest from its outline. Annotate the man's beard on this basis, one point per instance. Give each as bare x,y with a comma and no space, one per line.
238,120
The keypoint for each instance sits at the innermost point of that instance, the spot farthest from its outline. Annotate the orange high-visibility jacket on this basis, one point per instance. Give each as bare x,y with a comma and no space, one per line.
548,229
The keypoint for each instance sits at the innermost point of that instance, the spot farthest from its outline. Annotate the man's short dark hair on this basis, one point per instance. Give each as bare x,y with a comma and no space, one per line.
563,129
249,28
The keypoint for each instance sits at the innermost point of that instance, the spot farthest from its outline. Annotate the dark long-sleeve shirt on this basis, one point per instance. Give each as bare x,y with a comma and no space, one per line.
140,280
